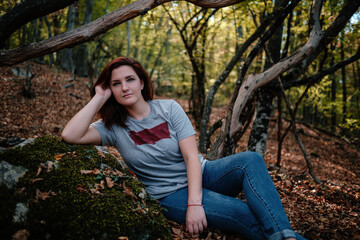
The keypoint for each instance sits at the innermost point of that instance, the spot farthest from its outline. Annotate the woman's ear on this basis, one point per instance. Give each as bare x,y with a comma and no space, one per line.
142,84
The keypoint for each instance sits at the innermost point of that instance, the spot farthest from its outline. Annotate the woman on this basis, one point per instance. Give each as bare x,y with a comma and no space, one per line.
157,142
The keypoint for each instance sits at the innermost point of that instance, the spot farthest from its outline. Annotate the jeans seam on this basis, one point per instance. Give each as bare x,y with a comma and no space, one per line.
262,201
252,189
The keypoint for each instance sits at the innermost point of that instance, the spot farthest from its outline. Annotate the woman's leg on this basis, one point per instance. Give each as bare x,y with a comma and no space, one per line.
222,212
247,172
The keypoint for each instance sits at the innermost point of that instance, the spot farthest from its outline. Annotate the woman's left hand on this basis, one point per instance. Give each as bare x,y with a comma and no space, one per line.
195,219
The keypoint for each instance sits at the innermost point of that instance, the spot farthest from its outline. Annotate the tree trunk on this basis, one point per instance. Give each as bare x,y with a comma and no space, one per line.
51,55
128,38
259,132
333,99
66,56
343,74
81,52
357,88
204,131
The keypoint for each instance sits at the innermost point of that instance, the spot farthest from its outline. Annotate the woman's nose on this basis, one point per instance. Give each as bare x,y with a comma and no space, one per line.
125,87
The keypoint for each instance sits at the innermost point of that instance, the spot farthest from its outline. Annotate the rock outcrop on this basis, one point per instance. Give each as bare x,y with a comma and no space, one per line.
53,190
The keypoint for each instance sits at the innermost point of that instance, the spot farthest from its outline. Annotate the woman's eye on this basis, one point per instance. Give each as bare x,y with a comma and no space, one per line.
130,79
115,84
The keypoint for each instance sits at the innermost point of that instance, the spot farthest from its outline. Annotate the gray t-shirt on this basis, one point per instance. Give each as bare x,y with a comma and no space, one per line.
150,147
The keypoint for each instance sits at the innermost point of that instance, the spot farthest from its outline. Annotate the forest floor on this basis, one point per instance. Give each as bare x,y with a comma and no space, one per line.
330,210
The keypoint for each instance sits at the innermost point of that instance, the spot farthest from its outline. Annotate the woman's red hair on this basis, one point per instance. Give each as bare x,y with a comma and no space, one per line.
112,112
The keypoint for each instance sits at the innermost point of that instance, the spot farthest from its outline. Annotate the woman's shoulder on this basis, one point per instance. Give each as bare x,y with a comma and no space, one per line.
164,102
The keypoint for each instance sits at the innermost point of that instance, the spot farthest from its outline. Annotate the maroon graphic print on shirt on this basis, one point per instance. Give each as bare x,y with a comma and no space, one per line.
150,136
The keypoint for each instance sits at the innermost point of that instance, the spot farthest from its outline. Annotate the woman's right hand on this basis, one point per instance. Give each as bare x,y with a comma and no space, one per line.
78,129
104,92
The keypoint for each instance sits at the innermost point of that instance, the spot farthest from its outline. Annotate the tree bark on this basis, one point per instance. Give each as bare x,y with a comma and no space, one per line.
259,131
91,30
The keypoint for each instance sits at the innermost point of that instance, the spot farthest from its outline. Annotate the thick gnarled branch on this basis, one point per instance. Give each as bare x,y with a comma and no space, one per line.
93,29
253,82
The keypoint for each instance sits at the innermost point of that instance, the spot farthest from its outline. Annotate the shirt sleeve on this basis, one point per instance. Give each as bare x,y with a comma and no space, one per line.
107,137
180,121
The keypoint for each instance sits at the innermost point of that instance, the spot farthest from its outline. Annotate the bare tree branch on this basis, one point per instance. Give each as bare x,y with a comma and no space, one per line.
91,30
253,82
317,77
348,9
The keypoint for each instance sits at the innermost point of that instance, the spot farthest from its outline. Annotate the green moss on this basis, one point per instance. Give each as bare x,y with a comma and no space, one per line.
71,210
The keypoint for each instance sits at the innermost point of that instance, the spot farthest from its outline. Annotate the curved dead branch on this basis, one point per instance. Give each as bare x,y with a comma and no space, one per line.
254,81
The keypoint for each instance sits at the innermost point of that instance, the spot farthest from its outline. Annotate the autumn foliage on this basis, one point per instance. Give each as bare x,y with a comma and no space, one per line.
330,210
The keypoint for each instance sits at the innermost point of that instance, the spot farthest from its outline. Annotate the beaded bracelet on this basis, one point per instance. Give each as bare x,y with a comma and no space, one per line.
199,205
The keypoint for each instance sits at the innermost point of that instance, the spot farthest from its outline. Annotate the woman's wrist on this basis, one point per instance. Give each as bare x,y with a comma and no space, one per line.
195,205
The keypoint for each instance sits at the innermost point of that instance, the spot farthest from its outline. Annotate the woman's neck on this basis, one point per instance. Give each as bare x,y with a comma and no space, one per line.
140,110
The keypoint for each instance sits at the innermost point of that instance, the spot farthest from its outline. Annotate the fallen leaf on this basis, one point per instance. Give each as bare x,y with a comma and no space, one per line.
81,188
22,234
37,179
101,154
95,171
109,182
176,231
41,166
139,209
128,191
42,195
59,156
120,174
95,191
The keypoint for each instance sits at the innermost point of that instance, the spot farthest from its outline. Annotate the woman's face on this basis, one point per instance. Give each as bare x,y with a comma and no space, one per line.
126,86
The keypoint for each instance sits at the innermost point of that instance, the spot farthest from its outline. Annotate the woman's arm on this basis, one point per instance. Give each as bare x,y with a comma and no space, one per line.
78,129
195,216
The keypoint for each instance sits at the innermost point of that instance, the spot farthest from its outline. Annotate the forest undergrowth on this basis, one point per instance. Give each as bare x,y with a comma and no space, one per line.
317,211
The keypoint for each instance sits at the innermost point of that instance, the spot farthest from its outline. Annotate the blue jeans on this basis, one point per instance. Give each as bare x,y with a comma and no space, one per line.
261,216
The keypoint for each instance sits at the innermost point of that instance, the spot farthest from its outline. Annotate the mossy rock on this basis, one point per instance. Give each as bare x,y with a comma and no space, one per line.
76,192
